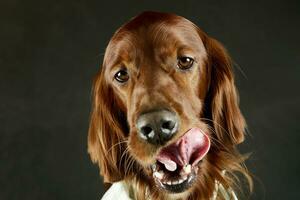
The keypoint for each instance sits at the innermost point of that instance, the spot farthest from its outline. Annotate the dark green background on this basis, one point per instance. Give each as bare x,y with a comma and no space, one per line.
50,50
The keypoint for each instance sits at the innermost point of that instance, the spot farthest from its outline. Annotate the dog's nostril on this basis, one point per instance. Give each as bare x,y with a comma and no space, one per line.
146,130
168,125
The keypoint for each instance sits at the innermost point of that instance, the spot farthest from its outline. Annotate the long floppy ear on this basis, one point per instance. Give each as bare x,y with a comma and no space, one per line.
106,131
222,97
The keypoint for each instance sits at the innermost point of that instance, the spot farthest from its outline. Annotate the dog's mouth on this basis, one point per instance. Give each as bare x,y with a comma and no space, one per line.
177,164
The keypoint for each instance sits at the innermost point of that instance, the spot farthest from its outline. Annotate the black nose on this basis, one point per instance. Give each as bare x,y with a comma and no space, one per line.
157,127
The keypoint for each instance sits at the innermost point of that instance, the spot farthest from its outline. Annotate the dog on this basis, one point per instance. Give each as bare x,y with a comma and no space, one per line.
165,120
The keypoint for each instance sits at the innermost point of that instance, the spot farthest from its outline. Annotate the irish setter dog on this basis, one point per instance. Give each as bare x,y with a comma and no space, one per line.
165,117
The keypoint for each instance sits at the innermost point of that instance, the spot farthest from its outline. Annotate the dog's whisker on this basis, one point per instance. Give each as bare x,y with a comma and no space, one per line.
116,144
217,143
129,166
215,123
125,156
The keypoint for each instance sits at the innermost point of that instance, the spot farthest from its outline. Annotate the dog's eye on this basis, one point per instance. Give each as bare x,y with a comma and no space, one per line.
185,62
122,76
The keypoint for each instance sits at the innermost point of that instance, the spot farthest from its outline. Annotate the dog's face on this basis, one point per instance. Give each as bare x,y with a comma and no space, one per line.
159,69
161,106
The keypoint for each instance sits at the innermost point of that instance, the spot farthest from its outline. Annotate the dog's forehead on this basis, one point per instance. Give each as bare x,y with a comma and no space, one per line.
147,30
153,33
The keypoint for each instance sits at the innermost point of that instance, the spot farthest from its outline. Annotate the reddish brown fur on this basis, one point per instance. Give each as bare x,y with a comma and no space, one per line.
203,97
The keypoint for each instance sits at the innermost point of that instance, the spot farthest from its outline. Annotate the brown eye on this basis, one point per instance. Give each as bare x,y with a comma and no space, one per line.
122,76
185,62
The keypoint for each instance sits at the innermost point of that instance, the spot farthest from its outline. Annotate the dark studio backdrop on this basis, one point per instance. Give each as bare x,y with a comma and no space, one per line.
50,51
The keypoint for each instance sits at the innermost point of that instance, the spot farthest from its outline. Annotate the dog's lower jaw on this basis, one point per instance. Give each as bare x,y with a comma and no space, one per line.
171,196
168,196
145,189
141,189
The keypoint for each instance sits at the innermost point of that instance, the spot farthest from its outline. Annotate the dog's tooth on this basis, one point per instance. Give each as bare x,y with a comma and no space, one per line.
184,177
196,170
190,178
175,182
169,183
158,175
180,181
187,169
162,172
154,167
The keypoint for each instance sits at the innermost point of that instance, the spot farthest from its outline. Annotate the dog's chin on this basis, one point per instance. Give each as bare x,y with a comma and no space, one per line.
176,166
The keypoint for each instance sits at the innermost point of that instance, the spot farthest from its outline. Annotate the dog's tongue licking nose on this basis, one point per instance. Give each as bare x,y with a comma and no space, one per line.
189,149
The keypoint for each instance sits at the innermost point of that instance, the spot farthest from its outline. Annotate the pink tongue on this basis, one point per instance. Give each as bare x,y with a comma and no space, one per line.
189,149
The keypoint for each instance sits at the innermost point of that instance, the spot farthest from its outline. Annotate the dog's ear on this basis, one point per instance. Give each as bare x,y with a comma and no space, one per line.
222,99
106,131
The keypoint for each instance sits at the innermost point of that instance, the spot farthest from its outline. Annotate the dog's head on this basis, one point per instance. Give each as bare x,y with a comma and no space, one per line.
165,110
